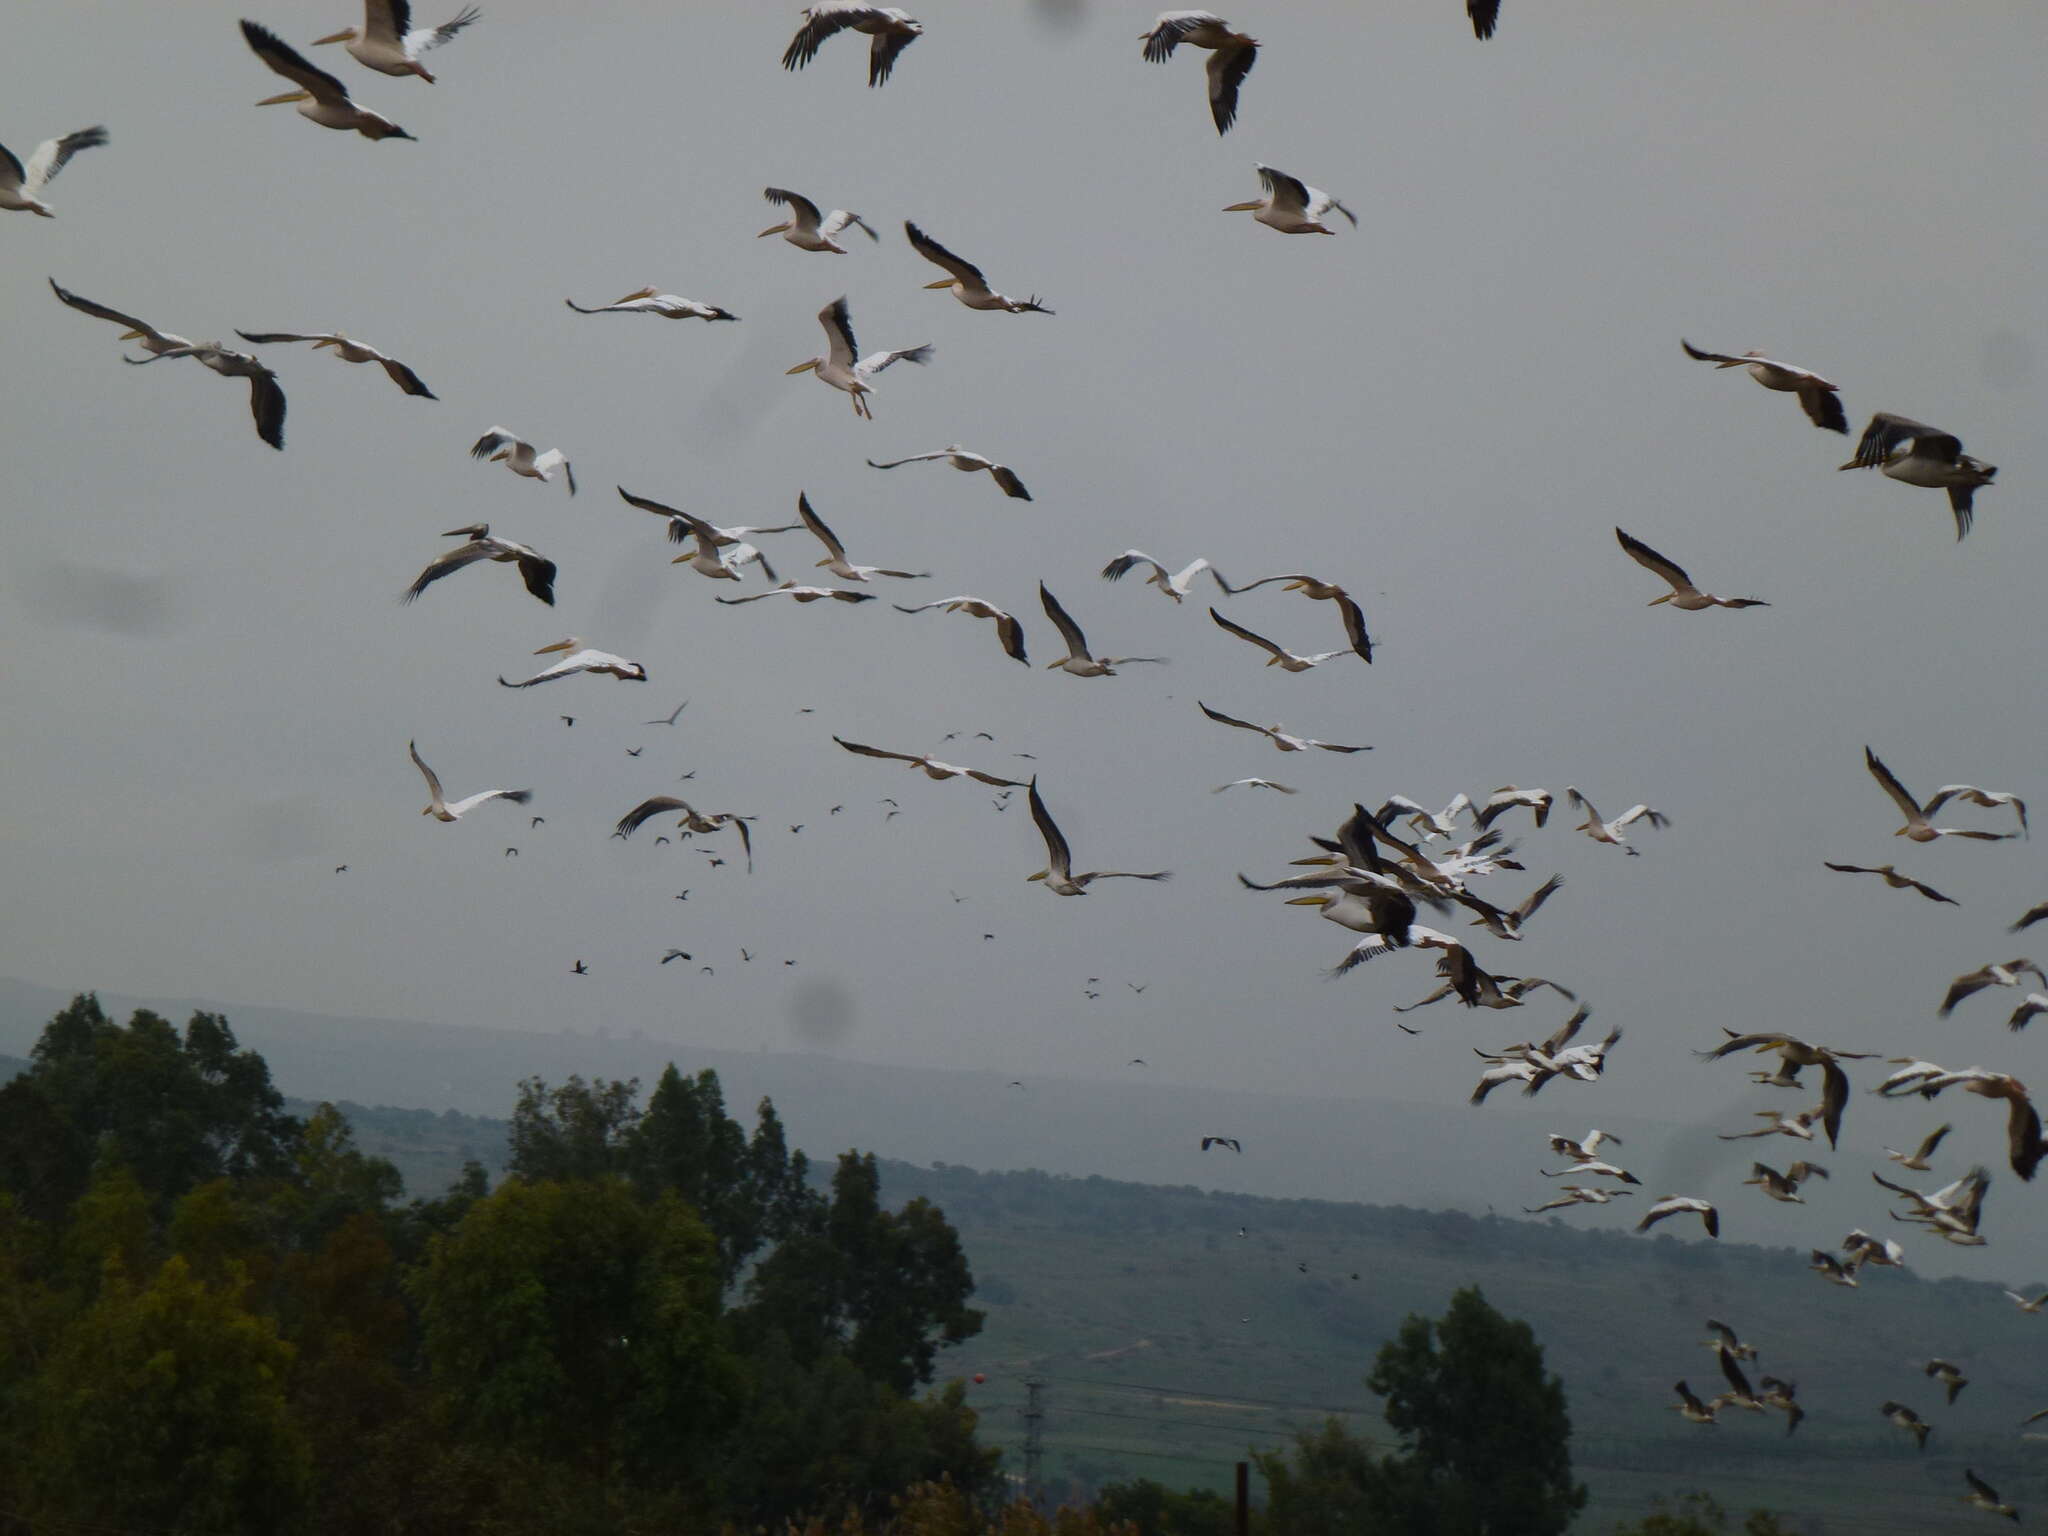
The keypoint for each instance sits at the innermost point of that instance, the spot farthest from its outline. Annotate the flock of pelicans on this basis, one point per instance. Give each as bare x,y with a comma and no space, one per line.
1381,868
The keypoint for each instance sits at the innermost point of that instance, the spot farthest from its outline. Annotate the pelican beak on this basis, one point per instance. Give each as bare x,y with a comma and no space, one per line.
1656,600
348,35
1039,876
772,230
559,645
944,282
802,367
1244,207
131,335
1324,859
330,342
278,101
426,810
1305,901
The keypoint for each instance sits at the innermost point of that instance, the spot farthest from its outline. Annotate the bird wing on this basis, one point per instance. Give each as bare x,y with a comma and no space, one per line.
1006,477
1485,15
287,61
266,405
842,218
1886,432
1980,1485
883,51
434,37
386,21
1536,898
280,338
1354,627
820,22
1124,563
1059,859
433,784
1733,1372
87,306
539,576
52,155
802,208
12,175
1823,407
1284,191
404,377
1077,643
989,778
1710,357
930,249
915,458
495,440
840,347
1227,68
812,521
1961,498
1891,786
865,751
1222,719
516,796
875,362
1991,799
1168,30
1650,560
446,564
1244,634
646,809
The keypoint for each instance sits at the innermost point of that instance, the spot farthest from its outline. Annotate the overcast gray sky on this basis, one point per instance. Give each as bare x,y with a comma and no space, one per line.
1448,409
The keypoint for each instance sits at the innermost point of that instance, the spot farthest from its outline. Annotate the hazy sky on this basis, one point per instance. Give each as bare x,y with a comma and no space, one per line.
1448,409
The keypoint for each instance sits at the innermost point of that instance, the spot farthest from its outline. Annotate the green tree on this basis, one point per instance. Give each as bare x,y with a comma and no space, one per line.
577,1131
1153,1509
1330,1483
1697,1514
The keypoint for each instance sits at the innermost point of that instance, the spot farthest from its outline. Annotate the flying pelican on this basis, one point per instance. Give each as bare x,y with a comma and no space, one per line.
2025,1305
891,27
835,559
2024,1146
1683,593
441,810
1917,1158
1610,831
967,283
321,98
1799,1125
1279,655
1174,584
140,331
1255,784
682,525
1874,1251
802,594
1008,630
2027,919
517,455
1991,798
960,458
1222,1141
1817,397
1794,1056
1504,923
721,562
805,230
389,43
1692,1408
933,768
266,398
1578,1194
536,572
1422,821
349,352
581,659
1291,206
1831,1269
1058,874
19,184
1739,1392
1953,1212
1375,906
1949,1374
1507,798
1077,660
1909,1421
1725,1341
1985,1497
1778,1393
1675,1205
694,821
1784,1186
1892,878
1318,591
1592,1165
2006,975
1585,1149
838,366
1917,826
1906,450
2033,1003
1232,59
648,301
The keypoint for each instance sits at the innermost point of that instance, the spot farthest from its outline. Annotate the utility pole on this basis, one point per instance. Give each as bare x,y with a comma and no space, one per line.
1034,1438
1243,1510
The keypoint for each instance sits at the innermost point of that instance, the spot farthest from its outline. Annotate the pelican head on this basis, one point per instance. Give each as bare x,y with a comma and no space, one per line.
803,367
278,101
346,35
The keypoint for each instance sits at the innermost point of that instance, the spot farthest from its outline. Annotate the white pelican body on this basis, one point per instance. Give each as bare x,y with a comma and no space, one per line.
442,809
145,335
1817,397
583,659
835,559
961,459
1231,61
1292,206
1683,594
266,398
1077,661
1175,584
1919,455
1680,1205
1058,874
1610,831
1008,630
648,301
967,283
321,98
348,351
806,228
892,28
517,455
1277,655
538,573
389,43
843,368
20,183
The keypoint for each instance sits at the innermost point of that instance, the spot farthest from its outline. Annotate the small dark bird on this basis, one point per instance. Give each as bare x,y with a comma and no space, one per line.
1135,987
796,829
580,969
634,751
341,869
1302,1267
988,935
1136,1061
537,821
671,720
744,955
789,962
1222,1141
716,863
705,970
511,853
683,896
659,841
1016,1082
568,719
677,954
835,810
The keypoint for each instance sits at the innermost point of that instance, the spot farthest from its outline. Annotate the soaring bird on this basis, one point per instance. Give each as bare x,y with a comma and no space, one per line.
806,229
517,454
389,43
891,27
1949,1374
1795,1056
19,184
1909,1421
1277,655
1985,1497
933,768
582,659
1578,1194
842,366
961,459
2024,1145
1919,455
139,331
1835,1271
835,559
2025,1305
1680,1205
1610,831
1285,741
1222,1141
1174,584
1508,798
1077,660
1726,1342
321,98
537,572
1817,397
693,821
1917,826
1323,592
1878,1252
720,551
1255,784
2006,975
651,301
266,396
802,594
1058,874
1690,1407
1917,1158
1230,61
349,352
1008,630
1892,878
1784,1186
1292,206
967,283
1683,593
441,809
1584,1150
